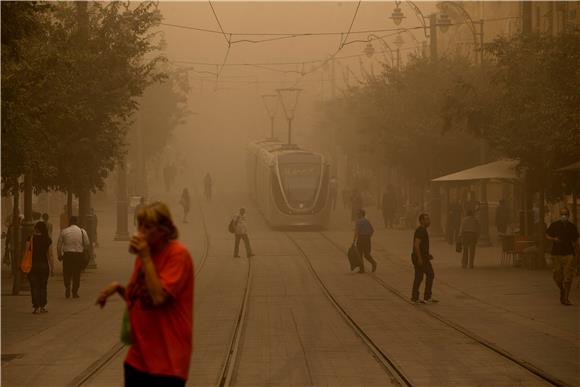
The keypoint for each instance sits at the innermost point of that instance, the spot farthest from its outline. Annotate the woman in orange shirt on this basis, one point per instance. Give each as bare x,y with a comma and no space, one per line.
159,299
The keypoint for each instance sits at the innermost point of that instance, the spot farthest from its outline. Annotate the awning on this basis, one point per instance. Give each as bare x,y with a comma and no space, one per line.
501,169
571,167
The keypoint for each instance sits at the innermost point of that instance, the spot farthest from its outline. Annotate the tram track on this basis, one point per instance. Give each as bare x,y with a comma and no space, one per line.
228,369
102,362
531,368
391,368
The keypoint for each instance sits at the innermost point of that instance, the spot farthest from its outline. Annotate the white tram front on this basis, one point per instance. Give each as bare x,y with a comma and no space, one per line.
289,184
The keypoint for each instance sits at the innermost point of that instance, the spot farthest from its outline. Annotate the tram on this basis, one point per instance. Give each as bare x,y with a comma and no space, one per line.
289,184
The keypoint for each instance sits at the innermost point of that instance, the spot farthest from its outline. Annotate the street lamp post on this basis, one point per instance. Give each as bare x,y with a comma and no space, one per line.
484,239
369,50
289,99
271,102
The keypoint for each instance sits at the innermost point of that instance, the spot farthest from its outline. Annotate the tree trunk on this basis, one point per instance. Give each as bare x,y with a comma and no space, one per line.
84,206
16,277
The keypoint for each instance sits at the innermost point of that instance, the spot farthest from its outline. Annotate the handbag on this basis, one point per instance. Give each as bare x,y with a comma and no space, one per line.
86,253
26,263
126,332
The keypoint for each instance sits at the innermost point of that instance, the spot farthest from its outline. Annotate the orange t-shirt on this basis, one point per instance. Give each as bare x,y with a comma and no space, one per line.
162,335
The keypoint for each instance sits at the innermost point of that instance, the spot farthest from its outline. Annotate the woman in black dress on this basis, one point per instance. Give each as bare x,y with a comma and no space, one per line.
41,267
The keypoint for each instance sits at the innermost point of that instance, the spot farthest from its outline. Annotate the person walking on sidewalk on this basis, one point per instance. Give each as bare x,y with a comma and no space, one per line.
72,243
363,232
332,192
421,259
389,207
565,249
469,231
241,232
42,266
159,298
185,202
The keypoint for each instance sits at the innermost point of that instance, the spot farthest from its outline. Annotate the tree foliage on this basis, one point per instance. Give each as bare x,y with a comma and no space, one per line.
528,105
73,89
397,117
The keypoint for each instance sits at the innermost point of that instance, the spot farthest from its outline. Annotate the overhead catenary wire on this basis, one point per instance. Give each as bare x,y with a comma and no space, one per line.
351,24
220,24
323,33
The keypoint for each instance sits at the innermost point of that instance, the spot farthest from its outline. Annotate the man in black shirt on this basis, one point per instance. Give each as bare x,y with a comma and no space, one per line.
422,261
564,234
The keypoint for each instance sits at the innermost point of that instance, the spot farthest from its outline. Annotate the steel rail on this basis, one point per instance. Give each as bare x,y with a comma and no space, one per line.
227,372
95,368
551,379
394,371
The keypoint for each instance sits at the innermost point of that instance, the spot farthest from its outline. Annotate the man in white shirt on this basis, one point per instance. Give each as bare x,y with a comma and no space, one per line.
72,243
241,231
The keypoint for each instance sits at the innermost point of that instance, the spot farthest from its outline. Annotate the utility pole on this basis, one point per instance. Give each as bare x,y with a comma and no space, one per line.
484,239
433,37
434,196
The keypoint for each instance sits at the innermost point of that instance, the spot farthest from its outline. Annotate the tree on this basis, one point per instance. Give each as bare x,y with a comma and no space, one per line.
75,87
397,117
529,108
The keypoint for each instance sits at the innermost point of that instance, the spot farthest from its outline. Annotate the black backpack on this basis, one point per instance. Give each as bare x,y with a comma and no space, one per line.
232,226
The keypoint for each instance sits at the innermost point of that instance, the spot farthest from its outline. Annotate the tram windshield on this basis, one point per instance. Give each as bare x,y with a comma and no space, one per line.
300,176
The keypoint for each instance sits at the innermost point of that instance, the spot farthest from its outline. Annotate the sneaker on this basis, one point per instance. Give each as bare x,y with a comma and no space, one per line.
431,301
75,296
43,310
417,302
35,311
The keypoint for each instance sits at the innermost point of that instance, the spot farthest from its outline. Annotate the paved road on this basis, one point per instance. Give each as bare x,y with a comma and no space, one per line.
291,334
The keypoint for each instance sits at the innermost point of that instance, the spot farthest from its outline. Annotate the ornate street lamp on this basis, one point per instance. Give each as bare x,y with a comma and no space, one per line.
399,41
369,50
289,98
444,22
271,102
397,14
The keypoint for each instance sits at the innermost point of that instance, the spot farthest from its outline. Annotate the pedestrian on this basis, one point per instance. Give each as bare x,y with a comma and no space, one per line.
137,209
421,259
332,192
565,253
42,267
241,232
207,183
8,243
356,204
48,224
363,233
185,202
71,247
159,299
469,231
453,222
388,206
502,217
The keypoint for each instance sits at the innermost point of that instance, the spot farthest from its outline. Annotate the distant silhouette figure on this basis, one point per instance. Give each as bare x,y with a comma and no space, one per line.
207,183
185,201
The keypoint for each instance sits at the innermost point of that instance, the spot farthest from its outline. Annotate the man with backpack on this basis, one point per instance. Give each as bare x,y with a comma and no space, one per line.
239,227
